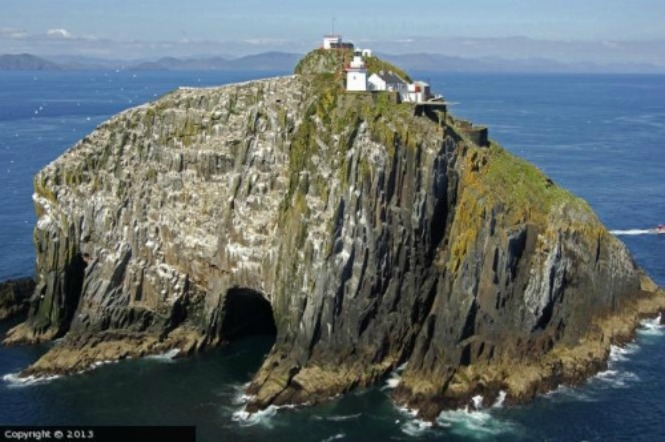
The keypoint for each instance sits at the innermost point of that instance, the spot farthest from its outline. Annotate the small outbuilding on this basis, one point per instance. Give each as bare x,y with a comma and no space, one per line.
418,92
332,41
387,81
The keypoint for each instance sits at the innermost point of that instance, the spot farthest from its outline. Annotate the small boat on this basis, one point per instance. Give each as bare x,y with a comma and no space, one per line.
660,228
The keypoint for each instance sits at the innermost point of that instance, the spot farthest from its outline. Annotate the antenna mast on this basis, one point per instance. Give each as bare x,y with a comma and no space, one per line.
333,25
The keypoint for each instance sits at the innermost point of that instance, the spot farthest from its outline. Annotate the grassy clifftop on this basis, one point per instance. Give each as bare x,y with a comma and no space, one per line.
323,61
501,176
333,116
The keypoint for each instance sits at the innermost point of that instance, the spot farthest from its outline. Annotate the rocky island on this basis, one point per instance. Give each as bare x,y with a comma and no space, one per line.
364,234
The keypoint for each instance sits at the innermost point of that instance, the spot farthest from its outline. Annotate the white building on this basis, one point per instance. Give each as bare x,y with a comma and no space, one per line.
356,73
332,41
418,91
357,80
388,81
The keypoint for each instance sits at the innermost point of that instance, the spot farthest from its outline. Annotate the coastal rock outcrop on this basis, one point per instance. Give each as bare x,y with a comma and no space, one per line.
363,233
14,296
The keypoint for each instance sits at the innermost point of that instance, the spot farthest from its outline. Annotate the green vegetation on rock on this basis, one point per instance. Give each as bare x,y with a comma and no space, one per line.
377,236
333,61
375,65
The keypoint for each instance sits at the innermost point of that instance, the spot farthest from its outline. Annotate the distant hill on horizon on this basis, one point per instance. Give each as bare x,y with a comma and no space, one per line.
26,62
286,61
444,63
267,61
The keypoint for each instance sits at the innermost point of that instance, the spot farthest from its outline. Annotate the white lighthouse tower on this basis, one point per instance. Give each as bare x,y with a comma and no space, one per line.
356,73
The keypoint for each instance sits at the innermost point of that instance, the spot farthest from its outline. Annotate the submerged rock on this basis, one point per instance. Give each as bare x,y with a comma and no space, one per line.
365,233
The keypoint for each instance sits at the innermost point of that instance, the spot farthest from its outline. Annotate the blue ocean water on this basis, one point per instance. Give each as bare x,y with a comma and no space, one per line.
602,136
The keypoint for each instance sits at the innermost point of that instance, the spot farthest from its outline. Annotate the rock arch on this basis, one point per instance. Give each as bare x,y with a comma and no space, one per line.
246,312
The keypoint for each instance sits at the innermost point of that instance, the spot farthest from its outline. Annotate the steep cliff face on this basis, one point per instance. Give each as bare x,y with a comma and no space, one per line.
369,235
146,224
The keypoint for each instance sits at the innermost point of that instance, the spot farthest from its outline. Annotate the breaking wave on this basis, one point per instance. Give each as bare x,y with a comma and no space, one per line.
651,327
412,426
240,397
395,377
633,232
477,424
416,427
169,356
263,417
98,364
565,393
616,378
14,380
500,400
620,354
338,418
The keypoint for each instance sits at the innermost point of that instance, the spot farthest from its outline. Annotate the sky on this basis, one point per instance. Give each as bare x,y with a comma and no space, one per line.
566,30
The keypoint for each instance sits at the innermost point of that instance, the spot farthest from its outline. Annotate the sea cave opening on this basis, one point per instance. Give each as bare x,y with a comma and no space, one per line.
247,313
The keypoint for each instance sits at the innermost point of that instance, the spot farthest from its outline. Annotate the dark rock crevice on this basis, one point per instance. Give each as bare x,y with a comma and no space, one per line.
73,284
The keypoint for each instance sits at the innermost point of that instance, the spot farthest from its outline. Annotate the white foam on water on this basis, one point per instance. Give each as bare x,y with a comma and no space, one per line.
395,377
616,378
498,403
416,427
619,354
564,393
412,426
342,418
334,437
241,398
100,363
169,356
402,367
477,402
633,232
410,412
263,417
474,424
14,380
393,381
651,327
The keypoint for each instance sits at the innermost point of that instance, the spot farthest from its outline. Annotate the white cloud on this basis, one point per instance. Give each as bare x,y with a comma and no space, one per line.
59,33
13,34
